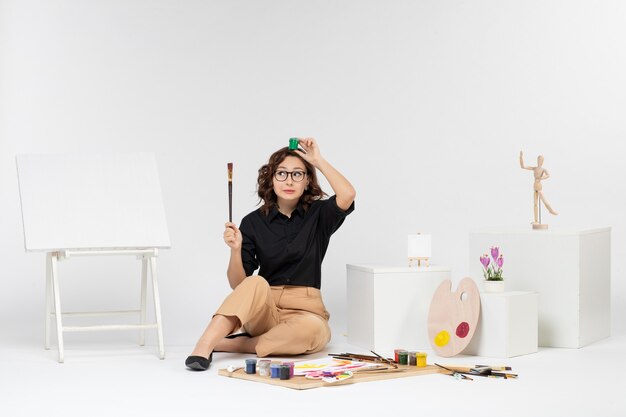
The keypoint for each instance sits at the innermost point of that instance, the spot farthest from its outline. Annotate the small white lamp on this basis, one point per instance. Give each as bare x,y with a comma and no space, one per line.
419,249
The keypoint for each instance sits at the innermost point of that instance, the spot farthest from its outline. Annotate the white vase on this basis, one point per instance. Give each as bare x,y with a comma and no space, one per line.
493,286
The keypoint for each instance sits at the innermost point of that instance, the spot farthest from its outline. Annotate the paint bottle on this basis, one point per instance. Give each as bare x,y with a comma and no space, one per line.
395,354
412,360
403,357
284,372
251,366
275,370
421,359
264,367
292,367
293,144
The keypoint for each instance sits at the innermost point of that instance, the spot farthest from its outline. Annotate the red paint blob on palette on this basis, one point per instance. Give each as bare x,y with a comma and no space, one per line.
462,329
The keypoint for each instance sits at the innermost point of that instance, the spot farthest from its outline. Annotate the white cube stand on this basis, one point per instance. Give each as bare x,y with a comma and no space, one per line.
571,271
507,326
388,306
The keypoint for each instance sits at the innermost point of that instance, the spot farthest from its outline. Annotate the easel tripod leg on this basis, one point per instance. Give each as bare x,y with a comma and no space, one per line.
57,305
157,306
48,300
144,286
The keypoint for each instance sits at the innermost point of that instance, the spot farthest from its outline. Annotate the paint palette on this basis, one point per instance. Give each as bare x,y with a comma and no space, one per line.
453,317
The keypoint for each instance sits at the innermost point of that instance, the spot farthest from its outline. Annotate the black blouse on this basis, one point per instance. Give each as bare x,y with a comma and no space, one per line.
290,250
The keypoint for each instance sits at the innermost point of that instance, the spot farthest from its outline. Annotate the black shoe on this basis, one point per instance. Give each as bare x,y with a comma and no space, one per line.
198,363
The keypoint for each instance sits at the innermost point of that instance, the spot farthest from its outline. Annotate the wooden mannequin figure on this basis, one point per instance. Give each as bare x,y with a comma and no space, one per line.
540,174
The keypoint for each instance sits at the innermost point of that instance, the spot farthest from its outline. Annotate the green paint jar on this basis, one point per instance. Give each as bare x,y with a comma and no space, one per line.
403,357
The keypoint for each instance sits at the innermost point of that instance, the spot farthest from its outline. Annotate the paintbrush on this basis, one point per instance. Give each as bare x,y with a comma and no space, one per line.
354,358
378,370
495,368
358,355
478,370
503,375
387,361
455,373
230,191
483,370
467,368
365,358
360,359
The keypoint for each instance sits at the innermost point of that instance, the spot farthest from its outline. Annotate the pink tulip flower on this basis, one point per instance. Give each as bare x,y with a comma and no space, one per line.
500,261
495,251
485,260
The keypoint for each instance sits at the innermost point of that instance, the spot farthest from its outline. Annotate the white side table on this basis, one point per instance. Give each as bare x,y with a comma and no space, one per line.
571,271
388,306
507,326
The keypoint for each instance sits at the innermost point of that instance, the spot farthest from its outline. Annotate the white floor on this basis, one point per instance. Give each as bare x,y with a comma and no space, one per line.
123,379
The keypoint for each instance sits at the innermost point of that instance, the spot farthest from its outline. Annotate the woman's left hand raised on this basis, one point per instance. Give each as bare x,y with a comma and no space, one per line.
312,155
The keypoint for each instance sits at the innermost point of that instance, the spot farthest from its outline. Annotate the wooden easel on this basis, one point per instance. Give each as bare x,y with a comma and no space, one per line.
418,260
418,249
53,298
94,205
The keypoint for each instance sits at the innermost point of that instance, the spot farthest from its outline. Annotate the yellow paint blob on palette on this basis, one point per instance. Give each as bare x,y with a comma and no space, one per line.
442,338
453,317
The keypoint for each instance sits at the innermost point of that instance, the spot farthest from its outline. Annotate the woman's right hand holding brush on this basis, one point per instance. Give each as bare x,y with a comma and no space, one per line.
232,236
234,239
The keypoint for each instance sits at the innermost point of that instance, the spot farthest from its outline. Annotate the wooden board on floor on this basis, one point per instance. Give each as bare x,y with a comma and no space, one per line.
301,383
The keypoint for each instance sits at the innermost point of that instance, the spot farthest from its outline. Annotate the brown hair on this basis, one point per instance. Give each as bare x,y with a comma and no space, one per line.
265,184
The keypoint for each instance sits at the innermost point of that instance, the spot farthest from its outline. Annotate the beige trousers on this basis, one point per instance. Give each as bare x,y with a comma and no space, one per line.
288,320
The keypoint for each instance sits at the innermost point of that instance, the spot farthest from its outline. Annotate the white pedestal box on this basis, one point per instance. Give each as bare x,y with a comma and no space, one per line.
571,271
507,326
388,306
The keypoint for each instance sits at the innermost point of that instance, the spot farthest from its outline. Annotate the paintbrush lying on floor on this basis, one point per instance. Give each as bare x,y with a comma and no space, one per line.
481,370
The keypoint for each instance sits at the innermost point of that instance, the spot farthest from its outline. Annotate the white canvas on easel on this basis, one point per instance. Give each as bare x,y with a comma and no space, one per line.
72,201
91,205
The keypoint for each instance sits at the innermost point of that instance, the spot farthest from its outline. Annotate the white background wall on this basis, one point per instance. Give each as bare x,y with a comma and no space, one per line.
423,105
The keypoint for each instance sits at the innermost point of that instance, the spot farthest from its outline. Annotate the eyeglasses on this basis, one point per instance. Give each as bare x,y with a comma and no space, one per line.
296,176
